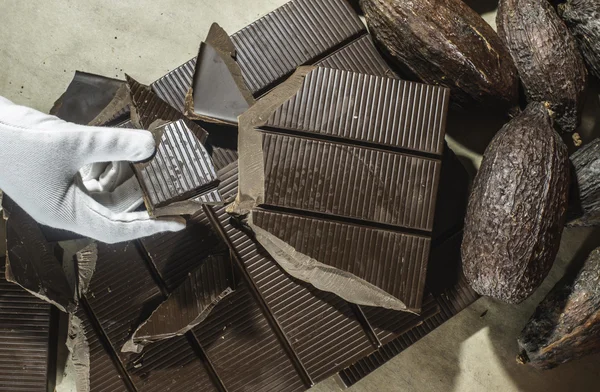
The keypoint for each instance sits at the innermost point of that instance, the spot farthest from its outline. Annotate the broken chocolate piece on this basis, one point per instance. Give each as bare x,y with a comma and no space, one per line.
219,93
297,33
173,87
86,96
243,348
320,327
32,262
24,338
181,168
188,305
86,265
364,176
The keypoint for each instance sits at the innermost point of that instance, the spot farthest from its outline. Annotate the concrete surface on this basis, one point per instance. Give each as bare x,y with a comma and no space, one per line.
44,42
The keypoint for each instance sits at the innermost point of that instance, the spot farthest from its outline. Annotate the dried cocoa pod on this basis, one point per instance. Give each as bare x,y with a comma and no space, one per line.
584,205
517,208
566,324
546,55
582,17
445,43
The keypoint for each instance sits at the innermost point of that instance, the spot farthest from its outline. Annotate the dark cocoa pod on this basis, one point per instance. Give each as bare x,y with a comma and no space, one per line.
584,205
566,324
517,208
583,20
546,55
445,43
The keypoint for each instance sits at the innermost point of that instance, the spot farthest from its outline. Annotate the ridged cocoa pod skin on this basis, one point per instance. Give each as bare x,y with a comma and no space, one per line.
566,324
546,55
517,208
445,43
582,17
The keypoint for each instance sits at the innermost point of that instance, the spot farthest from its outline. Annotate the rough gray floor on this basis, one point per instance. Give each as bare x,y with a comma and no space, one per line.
44,42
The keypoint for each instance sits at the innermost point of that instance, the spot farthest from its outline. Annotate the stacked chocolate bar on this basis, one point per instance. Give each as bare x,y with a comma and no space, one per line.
324,219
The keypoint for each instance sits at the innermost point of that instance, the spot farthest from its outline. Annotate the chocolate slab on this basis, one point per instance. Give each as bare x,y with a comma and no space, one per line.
122,292
86,96
33,263
24,338
173,87
452,294
175,255
179,170
319,155
190,303
297,33
92,355
321,328
244,349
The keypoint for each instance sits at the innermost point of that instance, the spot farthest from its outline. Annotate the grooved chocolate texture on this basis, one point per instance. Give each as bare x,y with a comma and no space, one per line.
452,294
367,108
192,300
175,255
320,327
104,376
243,348
149,108
297,33
122,292
173,87
24,338
180,169
377,256
360,55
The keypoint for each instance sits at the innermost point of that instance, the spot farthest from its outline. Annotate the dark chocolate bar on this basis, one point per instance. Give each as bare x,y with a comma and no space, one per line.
244,349
173,87
175,255
180,170
34,263
190,303
25,324
297,33
320,327
324,170
86,96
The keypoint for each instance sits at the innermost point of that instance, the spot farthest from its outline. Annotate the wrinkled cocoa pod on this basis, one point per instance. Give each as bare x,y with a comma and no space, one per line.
584,205
445,43
566,325
517,208
583,20
546,55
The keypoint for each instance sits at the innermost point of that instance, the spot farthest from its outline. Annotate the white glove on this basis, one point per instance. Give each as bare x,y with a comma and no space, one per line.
40,158
113,184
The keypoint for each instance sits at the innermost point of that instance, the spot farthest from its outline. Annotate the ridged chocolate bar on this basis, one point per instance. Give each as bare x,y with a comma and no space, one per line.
297,33
24,339
321,328
104,373
175,255
173,87
180,169
244,349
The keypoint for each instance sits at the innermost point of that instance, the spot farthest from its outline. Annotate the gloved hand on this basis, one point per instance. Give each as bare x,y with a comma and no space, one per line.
40,159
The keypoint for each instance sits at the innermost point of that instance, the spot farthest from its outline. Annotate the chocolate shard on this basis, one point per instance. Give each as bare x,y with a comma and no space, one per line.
219,93
147,108
188,305
176,255
173,87
321,329
566,324
32,262
244,349
86,265
25,324
180,170
584,204
299,32
455,296
86,96
355,196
